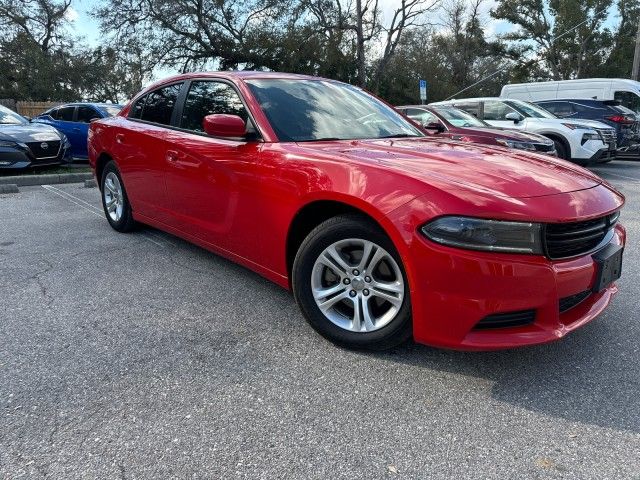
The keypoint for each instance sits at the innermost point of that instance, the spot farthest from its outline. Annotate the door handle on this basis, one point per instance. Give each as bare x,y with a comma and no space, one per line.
119,138
76,129
172,156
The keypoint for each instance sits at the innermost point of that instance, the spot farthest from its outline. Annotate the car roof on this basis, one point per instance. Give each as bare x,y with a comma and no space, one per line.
91,104
235,75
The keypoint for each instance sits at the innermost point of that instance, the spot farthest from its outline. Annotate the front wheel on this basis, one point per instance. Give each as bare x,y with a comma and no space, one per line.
351,286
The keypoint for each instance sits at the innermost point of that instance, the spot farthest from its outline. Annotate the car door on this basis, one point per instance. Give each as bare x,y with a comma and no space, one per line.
559,109
84,115
495,113
140,150
63,122
211,181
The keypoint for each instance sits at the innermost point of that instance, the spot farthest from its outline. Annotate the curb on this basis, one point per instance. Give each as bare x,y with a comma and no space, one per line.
9,188
47,179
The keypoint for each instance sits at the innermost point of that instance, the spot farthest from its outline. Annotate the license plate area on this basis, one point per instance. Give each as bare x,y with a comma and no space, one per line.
609,266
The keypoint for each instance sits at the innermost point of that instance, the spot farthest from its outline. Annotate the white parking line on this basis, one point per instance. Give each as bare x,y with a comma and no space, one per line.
62,194
91,208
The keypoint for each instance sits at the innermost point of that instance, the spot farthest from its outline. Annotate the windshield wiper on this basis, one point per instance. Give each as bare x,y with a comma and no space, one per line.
401,135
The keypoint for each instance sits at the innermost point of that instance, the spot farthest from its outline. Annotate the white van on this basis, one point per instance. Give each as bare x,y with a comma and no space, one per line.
627,92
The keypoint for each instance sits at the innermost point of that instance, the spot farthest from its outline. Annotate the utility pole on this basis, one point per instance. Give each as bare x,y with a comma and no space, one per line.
635,73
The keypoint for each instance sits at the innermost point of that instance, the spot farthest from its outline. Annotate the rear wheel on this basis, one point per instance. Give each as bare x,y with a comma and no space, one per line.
114,199
349,282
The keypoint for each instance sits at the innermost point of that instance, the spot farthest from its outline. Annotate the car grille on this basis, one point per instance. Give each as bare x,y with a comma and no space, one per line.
609,136
564,240
506,320
567,303
40,152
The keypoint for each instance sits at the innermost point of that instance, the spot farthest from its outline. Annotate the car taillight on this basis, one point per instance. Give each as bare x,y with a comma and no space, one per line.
620,119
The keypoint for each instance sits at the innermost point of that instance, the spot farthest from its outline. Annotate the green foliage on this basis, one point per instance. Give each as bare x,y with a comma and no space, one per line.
40,58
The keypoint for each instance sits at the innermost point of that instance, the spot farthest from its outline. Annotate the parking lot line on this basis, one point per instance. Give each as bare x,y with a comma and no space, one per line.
91,208
74,200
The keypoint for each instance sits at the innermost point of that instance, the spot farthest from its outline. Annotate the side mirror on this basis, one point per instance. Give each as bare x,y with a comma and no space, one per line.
437,126
223,125
513,116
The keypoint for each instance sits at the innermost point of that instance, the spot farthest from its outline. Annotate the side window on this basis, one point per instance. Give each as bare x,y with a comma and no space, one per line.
159,105
53,113
136,108
86,114
494,110
561,109
422,116
207,97
65,114
628,99
469,107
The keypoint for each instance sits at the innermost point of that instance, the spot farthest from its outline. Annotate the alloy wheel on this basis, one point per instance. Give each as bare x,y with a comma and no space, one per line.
357,285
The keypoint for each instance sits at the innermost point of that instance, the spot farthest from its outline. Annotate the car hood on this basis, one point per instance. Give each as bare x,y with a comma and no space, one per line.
491,170
506,133
560,121
31,132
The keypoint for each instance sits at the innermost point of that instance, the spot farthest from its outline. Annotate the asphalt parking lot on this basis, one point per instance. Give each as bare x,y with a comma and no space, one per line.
141,356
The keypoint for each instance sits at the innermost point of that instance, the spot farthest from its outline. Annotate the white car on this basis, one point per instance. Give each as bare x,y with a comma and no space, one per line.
584,142
623,90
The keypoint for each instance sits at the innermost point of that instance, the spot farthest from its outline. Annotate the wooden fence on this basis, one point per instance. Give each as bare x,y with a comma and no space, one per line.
32,109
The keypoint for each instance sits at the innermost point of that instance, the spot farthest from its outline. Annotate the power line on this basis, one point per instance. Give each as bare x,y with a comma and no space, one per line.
551,42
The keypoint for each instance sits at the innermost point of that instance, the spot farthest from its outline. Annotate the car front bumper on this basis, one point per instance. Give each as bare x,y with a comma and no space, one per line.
471,286
592,152
454,290
15,158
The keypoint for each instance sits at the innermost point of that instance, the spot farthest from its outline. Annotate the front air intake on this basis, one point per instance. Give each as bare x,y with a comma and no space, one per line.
507,320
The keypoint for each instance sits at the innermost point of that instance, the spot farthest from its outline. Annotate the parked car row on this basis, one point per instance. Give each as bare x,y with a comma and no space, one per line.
382,231
584,142
24,144
57,136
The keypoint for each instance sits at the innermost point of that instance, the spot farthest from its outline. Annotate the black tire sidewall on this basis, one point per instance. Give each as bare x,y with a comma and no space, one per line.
331,231
561,149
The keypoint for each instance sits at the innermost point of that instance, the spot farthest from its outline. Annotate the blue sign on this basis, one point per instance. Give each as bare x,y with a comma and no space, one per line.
423,90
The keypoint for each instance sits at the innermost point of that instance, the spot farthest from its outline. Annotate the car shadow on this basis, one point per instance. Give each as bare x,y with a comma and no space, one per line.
588,377
580,379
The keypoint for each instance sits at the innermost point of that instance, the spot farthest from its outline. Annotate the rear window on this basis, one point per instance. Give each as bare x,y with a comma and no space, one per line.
65,114
87,113
136,109
160,103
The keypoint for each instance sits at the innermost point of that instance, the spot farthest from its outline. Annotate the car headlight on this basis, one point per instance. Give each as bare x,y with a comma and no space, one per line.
577,126
6,143
489,235
590,136
516,144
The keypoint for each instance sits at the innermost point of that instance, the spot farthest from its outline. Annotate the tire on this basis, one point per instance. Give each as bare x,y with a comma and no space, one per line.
377,285
113,193
561,149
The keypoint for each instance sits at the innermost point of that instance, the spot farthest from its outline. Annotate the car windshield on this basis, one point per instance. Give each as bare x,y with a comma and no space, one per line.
111,110
308,110
8,117
460,118
529,110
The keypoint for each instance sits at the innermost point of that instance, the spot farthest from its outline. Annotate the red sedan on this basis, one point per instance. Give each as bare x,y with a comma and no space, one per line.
380,231
446,121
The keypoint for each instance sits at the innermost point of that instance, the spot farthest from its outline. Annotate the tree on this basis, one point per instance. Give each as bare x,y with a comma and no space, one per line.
451,58
566,36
